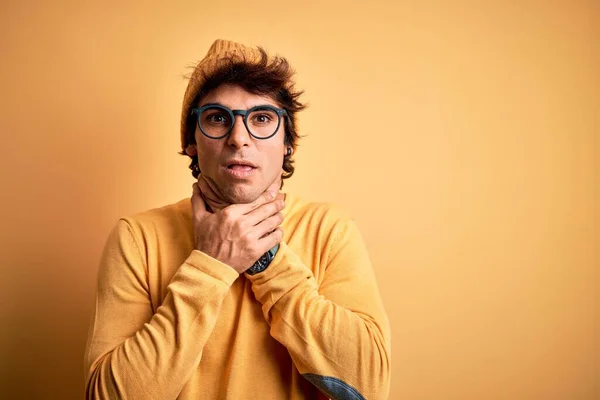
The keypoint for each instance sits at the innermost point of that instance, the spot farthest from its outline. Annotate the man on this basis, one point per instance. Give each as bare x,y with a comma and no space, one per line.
244,292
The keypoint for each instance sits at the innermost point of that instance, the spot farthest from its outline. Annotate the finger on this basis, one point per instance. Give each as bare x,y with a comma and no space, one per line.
265,211
267,226
264,198
271,239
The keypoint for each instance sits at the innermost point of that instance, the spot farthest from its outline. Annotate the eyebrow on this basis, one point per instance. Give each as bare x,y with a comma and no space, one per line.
223,105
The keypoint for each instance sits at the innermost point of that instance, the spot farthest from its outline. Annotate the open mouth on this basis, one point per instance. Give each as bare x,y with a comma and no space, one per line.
241,168
240,164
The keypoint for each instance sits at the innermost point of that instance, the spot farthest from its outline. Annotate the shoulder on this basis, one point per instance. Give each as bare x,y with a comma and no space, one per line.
300,207
325,217
160,220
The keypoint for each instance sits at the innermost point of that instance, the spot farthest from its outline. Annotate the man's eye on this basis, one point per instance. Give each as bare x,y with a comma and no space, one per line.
262,118
217,119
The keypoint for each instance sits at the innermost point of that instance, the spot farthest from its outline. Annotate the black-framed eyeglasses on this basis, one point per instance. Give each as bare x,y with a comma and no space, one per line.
216,121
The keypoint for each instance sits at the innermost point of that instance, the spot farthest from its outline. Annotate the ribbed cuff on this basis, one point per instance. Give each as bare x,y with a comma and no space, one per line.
285,272
212,266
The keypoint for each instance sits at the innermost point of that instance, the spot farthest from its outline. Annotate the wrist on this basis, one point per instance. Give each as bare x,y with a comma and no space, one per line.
263,262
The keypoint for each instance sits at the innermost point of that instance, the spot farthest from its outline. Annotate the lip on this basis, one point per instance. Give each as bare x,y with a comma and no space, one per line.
237,173
240,174
239,161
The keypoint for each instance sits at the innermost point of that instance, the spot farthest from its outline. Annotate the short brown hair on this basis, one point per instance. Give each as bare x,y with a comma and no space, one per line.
270,76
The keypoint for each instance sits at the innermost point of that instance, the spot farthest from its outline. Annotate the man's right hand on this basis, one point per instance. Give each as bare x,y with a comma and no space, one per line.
239,234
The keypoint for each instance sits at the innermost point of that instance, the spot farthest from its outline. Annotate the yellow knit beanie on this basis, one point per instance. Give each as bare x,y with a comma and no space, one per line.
221,52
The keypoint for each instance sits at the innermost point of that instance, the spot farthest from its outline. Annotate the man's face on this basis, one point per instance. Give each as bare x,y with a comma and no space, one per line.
216,157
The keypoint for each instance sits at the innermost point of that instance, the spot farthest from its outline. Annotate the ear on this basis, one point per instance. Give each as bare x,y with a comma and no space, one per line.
191,150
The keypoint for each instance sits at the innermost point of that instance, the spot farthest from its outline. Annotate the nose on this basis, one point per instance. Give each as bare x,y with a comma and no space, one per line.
239,136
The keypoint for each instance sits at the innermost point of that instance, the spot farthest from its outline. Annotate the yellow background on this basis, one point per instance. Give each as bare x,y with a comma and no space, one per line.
463,135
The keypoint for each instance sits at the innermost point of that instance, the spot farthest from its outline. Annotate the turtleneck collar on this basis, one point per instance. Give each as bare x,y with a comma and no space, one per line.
215,203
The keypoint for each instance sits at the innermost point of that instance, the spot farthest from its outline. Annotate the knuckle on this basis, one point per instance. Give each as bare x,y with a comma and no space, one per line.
228,213
274,223
246,240
239,229
265,198
275,207
278,234
240,226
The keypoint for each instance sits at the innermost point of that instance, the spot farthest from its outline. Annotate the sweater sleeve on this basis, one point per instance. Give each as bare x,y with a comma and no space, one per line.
337,333
133,353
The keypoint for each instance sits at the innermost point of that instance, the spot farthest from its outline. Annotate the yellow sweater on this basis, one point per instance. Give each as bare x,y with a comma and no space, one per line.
171,322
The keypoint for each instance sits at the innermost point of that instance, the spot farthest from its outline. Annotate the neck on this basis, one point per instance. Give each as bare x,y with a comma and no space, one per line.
214,202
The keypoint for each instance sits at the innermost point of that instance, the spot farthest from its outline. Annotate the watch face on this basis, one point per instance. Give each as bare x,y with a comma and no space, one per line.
264,261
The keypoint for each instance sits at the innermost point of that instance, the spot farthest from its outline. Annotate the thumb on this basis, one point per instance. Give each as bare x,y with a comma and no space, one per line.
198,204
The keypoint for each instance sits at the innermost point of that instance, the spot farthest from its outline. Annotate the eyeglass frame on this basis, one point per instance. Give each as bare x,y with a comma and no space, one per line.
233,113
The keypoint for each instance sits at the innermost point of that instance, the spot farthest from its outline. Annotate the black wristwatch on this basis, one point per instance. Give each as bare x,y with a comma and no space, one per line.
263,262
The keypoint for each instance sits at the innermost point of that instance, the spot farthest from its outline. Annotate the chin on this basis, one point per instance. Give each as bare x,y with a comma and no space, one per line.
241,194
